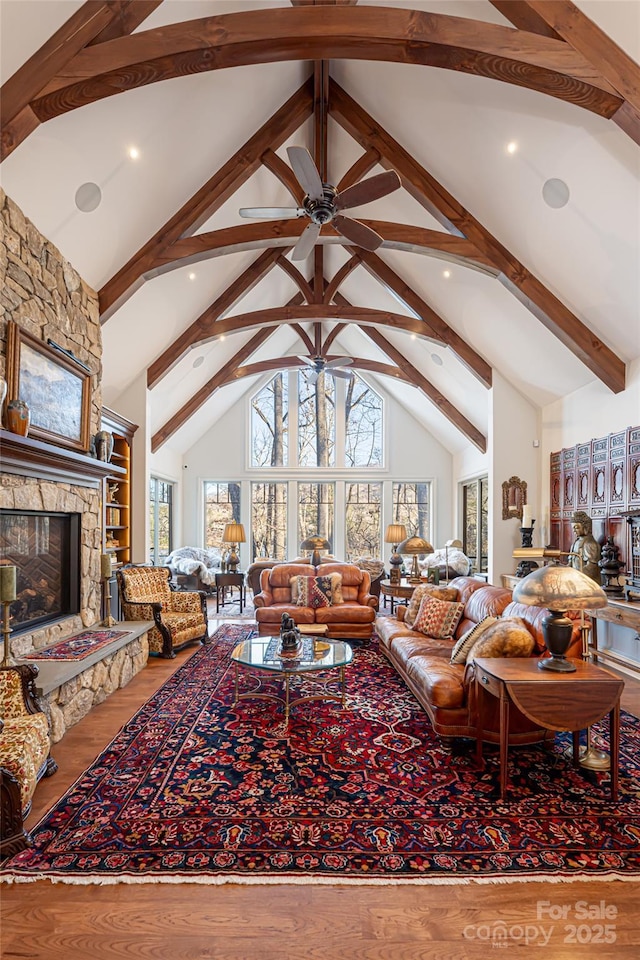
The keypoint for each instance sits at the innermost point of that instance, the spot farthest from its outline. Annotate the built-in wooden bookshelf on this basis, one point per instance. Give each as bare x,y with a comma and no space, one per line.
116,500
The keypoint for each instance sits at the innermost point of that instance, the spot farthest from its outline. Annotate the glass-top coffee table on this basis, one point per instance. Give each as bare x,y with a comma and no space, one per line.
260,654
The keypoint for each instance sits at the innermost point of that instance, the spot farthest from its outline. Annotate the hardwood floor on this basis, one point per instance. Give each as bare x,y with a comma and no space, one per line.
306,922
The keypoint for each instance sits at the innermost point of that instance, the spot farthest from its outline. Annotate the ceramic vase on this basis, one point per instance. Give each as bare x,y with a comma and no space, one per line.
18,417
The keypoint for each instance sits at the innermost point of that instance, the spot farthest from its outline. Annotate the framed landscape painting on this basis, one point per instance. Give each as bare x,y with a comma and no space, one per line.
55,388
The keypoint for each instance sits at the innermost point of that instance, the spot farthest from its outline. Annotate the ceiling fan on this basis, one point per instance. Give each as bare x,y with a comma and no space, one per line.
320,365
323,204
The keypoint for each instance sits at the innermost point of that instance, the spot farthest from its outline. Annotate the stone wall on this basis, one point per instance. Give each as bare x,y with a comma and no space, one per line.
42,292
73,700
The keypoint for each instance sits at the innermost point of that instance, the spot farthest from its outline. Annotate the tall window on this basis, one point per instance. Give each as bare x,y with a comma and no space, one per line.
363,425
221,506
363,516
269,520
269,424
160,520
475,523
315,511
316,420
412,506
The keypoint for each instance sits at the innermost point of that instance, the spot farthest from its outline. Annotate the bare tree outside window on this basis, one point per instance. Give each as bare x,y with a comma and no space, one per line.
316,420
363,520
315,511
412,506
269,424
160,519
475,520
221,506
269,520
363,425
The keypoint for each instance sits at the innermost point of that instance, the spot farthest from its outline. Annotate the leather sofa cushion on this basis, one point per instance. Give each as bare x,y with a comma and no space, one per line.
345,613
273,614
438,680
466,586
417,645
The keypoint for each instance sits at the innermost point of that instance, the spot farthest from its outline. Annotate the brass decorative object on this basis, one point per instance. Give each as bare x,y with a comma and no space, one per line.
396,533
233,534
415,546
514,497
315,543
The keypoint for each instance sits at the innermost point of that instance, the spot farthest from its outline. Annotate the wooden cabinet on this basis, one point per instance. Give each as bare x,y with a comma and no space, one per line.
116,500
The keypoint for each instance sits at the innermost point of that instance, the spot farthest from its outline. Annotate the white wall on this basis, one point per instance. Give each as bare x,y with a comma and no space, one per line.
223,452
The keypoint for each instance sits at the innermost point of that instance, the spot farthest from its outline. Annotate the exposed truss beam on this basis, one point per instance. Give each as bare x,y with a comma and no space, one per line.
463,351
551,312
359,169
331,337
95,21
288,363
304,336
563,19
293,272
367,33
207,199
413,375
201,329
284,233
334,284
284,173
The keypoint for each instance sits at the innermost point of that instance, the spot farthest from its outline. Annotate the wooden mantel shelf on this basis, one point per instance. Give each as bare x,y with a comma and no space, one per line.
35,458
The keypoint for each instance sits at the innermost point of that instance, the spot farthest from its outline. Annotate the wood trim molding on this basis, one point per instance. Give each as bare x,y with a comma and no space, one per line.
28,457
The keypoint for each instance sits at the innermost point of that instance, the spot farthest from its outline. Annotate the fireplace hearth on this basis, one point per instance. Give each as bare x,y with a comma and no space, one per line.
44,546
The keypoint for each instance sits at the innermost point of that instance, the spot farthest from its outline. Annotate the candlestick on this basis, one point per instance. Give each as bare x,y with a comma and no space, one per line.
7,583
106,567
7,660
527,513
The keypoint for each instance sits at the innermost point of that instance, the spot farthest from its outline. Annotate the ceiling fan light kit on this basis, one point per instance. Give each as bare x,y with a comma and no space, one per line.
323,204
320,365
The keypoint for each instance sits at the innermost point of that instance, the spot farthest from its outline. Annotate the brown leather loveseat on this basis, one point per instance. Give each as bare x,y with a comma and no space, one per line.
352,618
446,690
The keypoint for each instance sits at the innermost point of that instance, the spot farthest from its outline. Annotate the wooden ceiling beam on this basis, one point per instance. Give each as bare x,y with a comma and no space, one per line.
288,363
331,337
413,375
563,19
315,313
293,272
284,173
463,351
201,329
359,169
530,291
340,276
304,336
202,395
284,233
206,200
366,33
94,20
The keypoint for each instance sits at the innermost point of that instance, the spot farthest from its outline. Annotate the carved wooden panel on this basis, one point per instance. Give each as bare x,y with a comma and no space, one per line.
601,477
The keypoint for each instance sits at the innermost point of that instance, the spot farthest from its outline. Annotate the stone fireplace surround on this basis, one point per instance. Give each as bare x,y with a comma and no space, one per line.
42,292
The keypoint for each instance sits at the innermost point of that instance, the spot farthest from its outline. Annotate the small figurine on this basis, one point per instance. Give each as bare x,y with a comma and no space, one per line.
289,635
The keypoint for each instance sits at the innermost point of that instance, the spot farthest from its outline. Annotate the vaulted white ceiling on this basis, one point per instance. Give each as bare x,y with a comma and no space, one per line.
456,125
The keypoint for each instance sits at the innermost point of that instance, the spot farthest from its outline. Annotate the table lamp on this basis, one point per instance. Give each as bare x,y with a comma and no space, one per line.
315,543
396,533
415,546
233,534
559,589
455,545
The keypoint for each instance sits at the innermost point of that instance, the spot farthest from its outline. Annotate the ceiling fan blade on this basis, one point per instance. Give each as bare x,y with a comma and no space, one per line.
366,190
357,232
307,242
340,373
272,213
306,172
307,360
338,362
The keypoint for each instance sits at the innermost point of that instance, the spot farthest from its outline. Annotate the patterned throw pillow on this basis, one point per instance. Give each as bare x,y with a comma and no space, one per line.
336,588
314,592
426,590
507,637
438,618
464,644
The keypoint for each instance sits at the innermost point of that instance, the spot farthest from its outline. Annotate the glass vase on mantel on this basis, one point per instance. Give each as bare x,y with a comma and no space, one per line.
18,417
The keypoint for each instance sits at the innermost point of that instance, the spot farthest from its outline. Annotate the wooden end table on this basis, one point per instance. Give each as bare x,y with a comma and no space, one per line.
227,581
397,591
555,701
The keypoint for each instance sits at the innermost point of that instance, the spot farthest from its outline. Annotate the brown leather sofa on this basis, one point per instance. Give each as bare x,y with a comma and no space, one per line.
351,619
446,690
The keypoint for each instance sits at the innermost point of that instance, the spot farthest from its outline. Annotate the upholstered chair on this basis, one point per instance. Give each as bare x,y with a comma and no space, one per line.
180,617
24,752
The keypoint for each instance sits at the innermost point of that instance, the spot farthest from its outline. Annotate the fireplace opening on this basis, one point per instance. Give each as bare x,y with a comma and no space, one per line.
45,549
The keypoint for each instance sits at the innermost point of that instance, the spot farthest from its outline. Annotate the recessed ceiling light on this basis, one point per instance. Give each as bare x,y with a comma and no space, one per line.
222,336
555,193
512,146
413,336
134,153
446,274
88,197
192,276
437,359
198,361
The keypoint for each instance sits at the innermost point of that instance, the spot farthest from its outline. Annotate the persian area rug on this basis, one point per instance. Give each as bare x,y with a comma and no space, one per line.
78,647
193,789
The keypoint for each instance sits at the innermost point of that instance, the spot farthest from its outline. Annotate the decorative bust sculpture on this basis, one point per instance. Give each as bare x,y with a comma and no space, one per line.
289,634
585,548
